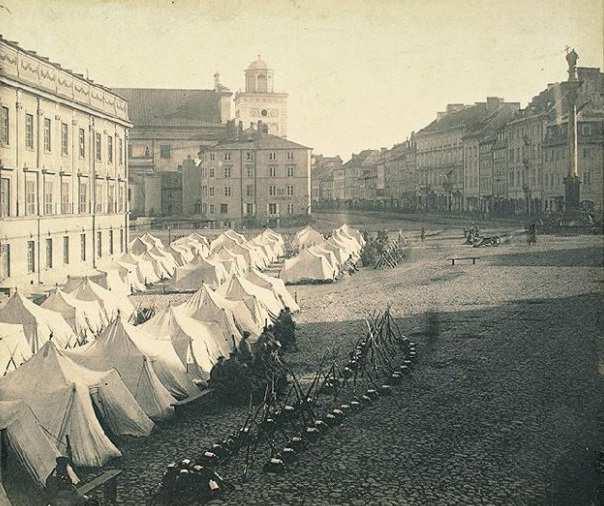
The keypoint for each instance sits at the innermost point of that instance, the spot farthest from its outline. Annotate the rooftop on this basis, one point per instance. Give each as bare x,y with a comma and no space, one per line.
253,139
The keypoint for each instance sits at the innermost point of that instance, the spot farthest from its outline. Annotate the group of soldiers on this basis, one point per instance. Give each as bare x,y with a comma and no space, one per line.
251,366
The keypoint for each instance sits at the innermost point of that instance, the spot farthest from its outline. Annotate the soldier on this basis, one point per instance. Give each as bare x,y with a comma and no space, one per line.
245,350
423,234
60,487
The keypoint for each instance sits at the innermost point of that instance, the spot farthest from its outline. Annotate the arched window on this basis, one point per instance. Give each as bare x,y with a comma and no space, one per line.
261,81
146,151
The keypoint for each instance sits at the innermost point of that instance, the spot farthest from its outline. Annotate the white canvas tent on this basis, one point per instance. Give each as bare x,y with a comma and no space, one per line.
192,340
111,302
158,266
135,280
200,271
354,233
182,255
138,247
261,302
228,262
307,267
14,347
115,349
115,279
240,238
331,258
151,240
306,237
61,395
223,240
84,317
277,286
145,267
167,261
226,254
34,450
339,251
39,324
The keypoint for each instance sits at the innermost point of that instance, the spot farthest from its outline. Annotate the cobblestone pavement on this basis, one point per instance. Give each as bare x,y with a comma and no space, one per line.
505,406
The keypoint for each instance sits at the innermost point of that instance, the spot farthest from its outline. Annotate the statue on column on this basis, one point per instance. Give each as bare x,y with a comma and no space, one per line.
571,59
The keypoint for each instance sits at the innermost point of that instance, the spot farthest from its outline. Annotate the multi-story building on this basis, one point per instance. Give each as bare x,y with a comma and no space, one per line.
400,175
353,177
326,172
170,126
260,102
63,172
440,154
254,177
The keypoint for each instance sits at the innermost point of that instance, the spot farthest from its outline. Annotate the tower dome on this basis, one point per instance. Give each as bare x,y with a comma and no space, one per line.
258,77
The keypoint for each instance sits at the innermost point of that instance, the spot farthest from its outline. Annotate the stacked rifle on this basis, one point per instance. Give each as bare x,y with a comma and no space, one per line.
289,421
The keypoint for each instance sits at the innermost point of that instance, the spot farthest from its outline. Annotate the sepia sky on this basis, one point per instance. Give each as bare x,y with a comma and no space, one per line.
360,74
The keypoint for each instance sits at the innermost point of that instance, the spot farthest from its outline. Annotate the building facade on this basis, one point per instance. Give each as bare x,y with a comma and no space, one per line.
327,183
254,178
260,102
63,171
169,127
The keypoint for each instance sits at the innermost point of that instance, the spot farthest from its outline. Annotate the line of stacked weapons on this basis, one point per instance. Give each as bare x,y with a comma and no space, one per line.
392,255
373,358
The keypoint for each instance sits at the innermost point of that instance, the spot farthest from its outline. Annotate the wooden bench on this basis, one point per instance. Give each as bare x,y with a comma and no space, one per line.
107,480
205,394
464,258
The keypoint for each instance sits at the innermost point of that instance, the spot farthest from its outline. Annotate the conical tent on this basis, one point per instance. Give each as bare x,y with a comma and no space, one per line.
111,302
242,264
182,256
228,262
192,340
145,267
167,260
353,232
115,349
151,240
138,247
221,241
240,238
351,243
165,361
134,278
261,302
306,237
158,266
115,279
61,394
39,324
307,266
84,317
36,453
14,347
199,238
331,258
276,285
201,271
341,254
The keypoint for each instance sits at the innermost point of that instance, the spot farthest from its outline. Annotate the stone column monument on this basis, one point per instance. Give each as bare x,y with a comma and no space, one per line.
572,183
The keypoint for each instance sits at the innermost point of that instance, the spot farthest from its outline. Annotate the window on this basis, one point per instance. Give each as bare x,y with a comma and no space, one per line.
97,147
120,151
290,190
586,130
30,197
121,240
204,190
65,197
82,143
290,171
120,200
4,125
31,256
65,250
227,172
48,204
129,150
47,143
99,244
110,149
211,171
111,242
49,253
111,198
211,191
290,209
227,191
272,190
272,156
250,171
272,209
147,153
29,131
227,156
212,156
83,247
249,209
4,261
165,151
290,155
211,208
272,171
100,207
64,139
249,155
4,196
224,208
83,197
249,190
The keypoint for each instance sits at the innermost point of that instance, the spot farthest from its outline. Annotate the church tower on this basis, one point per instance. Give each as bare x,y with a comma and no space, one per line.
259,102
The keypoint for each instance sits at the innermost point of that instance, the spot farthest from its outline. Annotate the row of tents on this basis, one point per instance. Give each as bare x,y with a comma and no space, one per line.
321,259
73,397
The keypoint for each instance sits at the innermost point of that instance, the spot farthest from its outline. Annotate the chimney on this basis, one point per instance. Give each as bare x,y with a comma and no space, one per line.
454,108
217,85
